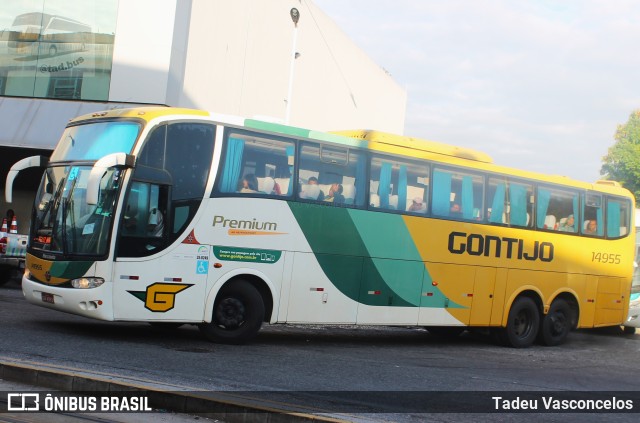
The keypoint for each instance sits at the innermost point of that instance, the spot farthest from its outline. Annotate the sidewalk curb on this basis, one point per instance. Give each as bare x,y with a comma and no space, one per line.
218,405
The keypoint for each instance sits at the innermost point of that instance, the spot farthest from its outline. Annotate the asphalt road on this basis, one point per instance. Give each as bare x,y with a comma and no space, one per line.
348,363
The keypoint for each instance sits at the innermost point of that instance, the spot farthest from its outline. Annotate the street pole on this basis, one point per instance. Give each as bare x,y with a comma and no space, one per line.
295,16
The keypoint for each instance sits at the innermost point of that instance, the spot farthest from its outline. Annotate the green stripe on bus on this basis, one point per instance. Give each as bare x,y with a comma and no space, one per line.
70,269
349,246
386,235
276,127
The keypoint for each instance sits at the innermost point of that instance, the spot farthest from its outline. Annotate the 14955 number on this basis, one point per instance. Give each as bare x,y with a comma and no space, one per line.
609,258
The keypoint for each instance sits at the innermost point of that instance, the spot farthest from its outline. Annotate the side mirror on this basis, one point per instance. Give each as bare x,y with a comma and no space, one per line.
100,168
33,161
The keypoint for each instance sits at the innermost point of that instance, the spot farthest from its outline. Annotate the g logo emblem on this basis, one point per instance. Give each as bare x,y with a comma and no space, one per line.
160,297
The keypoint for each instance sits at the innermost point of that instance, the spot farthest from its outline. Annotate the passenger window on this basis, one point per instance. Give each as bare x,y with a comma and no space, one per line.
398,185
189,153
593,216
519,210
497,201
143,230
457,195
332,175
168,183
557,210
618,217
255,164
184,151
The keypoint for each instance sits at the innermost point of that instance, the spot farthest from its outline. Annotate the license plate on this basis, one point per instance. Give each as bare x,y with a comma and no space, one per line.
47,298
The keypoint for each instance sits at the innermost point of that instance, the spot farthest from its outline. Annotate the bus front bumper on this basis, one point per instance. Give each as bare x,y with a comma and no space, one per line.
94,303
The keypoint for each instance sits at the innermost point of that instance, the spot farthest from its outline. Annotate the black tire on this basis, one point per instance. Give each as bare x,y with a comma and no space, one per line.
556,324
629,330
522,325
237,314
445,332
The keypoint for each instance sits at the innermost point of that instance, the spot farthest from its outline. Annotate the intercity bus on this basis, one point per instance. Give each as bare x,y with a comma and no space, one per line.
176,216
37,33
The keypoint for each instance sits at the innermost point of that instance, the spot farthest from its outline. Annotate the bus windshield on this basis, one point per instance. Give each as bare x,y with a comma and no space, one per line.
64,223
96,140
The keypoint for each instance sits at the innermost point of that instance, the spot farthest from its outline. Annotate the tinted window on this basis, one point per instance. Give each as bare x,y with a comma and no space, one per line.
457,194
397,184
557,209
257,165
332,174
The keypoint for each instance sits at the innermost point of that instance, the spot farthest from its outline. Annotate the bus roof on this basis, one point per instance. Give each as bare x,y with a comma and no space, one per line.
375,140
417,144
145,113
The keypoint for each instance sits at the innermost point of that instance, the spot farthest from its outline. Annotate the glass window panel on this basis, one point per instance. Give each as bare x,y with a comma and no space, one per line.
332,175
93,141
57,48
189,152
497,200
520,205
256,164
618,217
592,222
557,209
398,184
457,194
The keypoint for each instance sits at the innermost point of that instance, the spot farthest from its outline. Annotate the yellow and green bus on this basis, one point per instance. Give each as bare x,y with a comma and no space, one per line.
177,216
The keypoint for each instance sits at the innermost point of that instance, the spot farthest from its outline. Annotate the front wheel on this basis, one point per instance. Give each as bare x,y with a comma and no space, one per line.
237,314
556,324
522,325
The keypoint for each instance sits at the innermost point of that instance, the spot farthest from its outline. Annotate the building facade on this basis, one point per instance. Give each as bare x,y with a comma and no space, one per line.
63,58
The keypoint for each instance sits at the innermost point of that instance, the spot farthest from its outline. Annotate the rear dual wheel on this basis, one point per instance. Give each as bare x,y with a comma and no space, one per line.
556,324
525,325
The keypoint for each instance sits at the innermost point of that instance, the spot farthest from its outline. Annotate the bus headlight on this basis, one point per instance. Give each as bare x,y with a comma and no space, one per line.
85,283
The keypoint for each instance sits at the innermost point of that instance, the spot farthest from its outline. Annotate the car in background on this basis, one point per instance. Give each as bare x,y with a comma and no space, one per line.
633,319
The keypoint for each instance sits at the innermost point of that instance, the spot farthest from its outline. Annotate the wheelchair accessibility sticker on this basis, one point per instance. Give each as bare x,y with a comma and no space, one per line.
202,260
202,268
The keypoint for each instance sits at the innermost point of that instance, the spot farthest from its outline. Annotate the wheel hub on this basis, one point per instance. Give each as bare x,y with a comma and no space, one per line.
230,312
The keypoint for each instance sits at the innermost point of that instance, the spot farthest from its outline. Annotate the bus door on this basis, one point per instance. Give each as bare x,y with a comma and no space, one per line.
160,272
152,279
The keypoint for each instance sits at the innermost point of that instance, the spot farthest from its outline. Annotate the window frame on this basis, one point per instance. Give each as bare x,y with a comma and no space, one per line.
464,171
229,131
409,161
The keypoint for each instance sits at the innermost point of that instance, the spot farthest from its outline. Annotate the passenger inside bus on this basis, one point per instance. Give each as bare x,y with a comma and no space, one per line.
591,227
249,183
311,190
417,205
335,194
567,224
